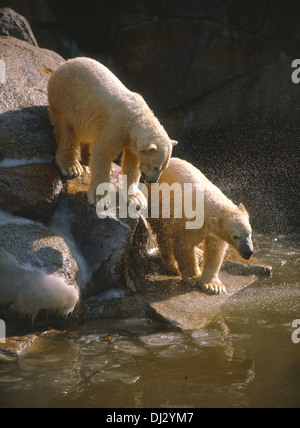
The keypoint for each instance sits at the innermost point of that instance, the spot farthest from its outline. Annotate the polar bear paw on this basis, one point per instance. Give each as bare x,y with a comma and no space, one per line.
71,170
213,286
138,201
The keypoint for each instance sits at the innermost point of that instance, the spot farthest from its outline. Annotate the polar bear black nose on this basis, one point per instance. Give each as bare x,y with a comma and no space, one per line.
246,248
150,180
248,254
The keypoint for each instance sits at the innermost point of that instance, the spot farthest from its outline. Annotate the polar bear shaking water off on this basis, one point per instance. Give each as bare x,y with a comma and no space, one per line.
224,223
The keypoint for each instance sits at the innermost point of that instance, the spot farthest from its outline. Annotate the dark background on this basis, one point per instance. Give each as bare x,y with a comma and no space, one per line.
217,73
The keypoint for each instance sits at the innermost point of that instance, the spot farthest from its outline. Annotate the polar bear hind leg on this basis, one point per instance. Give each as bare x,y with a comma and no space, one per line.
169,263
186,257
67,147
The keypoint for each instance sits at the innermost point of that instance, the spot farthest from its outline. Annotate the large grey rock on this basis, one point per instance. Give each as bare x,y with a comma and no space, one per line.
208,66
188,308
14,25
102,244
46,27
35,245
218,75
25,129
30,191
37,269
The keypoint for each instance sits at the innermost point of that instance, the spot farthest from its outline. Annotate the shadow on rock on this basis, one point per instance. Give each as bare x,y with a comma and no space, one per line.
30,130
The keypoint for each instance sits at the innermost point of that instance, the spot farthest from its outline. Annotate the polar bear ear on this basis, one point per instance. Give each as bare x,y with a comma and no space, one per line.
174,143
216,222
149,148
242,208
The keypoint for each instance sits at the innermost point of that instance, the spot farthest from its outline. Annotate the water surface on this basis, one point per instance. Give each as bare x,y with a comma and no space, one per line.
246,358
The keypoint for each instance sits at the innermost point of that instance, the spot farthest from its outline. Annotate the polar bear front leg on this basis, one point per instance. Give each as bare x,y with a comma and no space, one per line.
131,168
185,255
213,256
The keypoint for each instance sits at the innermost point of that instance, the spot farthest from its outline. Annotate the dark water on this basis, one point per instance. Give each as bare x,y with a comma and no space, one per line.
245,359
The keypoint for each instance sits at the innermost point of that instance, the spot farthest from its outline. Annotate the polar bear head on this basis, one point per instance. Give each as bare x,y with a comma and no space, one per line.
152,146
154,159
235,229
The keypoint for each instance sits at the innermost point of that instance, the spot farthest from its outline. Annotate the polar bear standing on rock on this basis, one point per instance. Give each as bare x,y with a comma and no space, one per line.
89,105
224,223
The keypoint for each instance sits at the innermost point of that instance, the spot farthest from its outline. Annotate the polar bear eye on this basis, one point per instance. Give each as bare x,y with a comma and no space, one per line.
236,238
156,169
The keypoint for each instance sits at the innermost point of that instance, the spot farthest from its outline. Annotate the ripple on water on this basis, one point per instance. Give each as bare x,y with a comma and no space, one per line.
169,344
162,339
208,338
130,347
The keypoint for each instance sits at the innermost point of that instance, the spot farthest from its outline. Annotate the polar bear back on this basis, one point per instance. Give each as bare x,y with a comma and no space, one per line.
180,171
89,85
90,99
90,75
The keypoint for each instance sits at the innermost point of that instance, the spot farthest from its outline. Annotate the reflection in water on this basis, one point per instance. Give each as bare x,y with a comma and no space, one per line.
246,358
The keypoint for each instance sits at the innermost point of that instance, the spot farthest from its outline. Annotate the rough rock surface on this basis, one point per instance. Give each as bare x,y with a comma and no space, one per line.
186,307
25,129
16,346
34,245
30,191
37,270
14,25
104,244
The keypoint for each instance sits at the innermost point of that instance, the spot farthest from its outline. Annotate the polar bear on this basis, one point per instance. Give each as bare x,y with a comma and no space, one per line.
224,223
88,105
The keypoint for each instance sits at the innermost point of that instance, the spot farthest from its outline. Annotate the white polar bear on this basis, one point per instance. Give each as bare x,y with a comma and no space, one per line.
90,106
224,223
